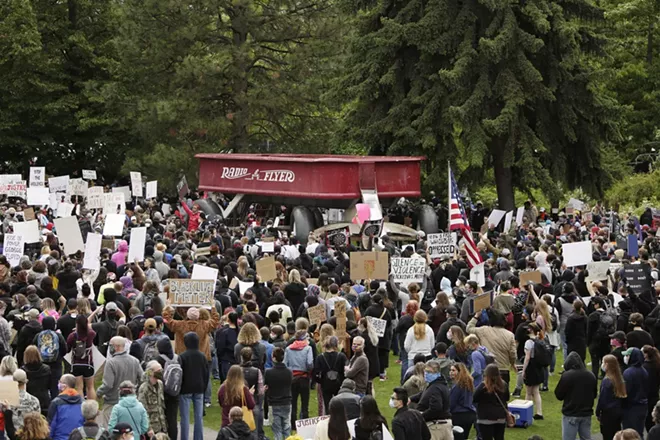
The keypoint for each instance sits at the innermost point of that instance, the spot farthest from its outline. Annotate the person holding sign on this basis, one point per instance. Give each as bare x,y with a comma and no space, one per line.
381,311
194,216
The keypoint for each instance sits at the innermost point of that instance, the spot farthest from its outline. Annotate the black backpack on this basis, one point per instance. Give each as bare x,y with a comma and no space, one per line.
331,381
542,353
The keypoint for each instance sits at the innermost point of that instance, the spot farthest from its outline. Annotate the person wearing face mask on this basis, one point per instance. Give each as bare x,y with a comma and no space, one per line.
64,413
434,403
443,334
91,429
358,367
609,409
577,388
636,404
407,423
152,396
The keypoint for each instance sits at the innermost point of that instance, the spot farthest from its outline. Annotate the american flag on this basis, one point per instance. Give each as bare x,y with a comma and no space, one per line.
458,221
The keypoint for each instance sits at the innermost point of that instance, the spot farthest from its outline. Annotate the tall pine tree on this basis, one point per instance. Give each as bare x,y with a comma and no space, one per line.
491,84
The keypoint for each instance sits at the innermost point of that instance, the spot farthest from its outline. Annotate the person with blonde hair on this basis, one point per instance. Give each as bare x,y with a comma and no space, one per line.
48,309
612,395
628,434
294,292
250,336
34,427
27,403
234,393
416,383
8,367
478,359
420,337
237,428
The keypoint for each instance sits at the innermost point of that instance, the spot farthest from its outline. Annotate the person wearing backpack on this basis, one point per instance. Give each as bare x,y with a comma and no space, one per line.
172,379
90,430
145,349
537,357
329,370
479,358
601,324
52,347
151,395
254,381
107,328
80,343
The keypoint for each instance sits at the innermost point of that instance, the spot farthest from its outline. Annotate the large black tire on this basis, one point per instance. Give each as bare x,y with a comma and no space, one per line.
428,219
302,221
318,218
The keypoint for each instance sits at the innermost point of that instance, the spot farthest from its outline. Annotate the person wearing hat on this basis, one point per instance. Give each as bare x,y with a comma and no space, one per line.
618,344
349,399
122,431
129,410
27,334
27,403
145,349
452,319
64,413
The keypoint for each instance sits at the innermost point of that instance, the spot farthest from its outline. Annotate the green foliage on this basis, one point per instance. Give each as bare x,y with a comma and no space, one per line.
636,190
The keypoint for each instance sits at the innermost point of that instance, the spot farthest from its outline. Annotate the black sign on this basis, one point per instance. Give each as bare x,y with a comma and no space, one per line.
637,279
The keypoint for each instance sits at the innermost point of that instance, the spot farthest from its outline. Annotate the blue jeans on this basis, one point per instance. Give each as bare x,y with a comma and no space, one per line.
564,345
259,417
281,422
184,410
572,426
207,393
215,368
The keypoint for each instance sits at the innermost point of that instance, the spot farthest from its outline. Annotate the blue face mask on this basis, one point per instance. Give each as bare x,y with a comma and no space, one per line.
430,377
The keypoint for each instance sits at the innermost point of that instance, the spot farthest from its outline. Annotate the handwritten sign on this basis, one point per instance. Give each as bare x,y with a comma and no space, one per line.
534,276
124,190
37,177
598,270
266,269
317,314
408,270
379,325
481,302
78,187
306,428
152,189
58,184
95,197
340,314
369,265
13,248
268,244
182,187
136,183
16,189
114,203
191,293
89,174
441,244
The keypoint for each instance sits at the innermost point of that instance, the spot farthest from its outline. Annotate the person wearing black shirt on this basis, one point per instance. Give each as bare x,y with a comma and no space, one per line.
433,402
67,322
638,337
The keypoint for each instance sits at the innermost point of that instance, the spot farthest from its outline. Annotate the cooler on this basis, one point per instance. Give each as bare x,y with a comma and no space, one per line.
523,411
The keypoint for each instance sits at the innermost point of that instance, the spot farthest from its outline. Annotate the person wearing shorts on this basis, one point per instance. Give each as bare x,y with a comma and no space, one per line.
82,364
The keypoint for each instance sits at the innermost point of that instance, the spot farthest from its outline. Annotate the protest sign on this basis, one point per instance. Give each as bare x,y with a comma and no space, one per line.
37,177
9,392
598,270
495,217
587,218
97,359
200,272
68,234
507,221
89,174
478,275
95,198
534,276
152,189
136,183
577,254
58,184
28,214
77,187
243,287
13,248
575,203
123,190
10,178
37,196
370,197
182,187
379,325
369,265
114,225
316,314
441,244
408,270
191,293
314,281
570,211
52,200
519,215
137,244
268,244
306,428
114,203
340,314
92,251
266,269
64,209
14,189
633,245
108,243
481,302
636,277
29,230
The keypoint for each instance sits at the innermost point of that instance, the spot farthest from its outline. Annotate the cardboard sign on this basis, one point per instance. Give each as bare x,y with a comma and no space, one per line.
182,187
58,184
92,251
108,244
29,230
266,269
441,244
533,276
598,270
9,392
369,265
314,281
114,203
340,314
152,189
481,302
89,174
77,187
636,278
577,254
408,270
68,233
28,214
496,217
478,275
37,177
379,325
13,248
137,244
317,314
306,428
519,215
114,225
136,183
123,190
37,196
191,293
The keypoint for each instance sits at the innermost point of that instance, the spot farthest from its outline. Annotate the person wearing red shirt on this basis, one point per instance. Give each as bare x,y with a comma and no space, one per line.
193,215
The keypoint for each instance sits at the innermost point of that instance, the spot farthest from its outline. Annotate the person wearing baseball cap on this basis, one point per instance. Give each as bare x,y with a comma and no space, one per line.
145,349
27,334
26,402
122,431
618,344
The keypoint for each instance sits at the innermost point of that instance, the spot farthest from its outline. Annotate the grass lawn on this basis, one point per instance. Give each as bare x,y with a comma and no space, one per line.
549,429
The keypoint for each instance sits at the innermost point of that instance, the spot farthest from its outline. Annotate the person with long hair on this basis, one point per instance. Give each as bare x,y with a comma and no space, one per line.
38,375
233,392
532,371
35,427
370,419
609,409
419,338
370,346
461,406
406,321
381,308
438,314
652,367
654,433
294,292
416,384
491,397
250,336
226,337
576,330
458,351
80,344
334,427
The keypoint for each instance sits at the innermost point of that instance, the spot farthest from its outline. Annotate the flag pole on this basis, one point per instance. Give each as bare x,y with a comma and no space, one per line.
448,195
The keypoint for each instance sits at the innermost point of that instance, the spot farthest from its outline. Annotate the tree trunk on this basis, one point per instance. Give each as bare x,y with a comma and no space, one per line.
239,139
504,182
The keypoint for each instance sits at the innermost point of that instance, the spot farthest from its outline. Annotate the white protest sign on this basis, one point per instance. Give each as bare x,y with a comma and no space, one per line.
598,270
478,274
371,198
37,177
408,270
123,190
575,203
200,272
89,174
577,254
37,196
306,428
92,251
10,178
507,221
519,215
152,189
13,248
267,246
97,359
617,299
496,217
586,300
29,230
95,198
15,189
439,244
64,209
68,234
114,224
379,325
136,183
78,187
386,434
58,184
137,244
53,201
115,203
244,286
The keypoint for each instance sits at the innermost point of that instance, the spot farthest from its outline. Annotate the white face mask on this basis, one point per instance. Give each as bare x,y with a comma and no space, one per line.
392,403
626,359
602,367
458,283
449,335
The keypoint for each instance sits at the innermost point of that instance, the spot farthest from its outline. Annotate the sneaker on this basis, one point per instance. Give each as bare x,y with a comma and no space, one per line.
207,405
266,422
516,392
383,378
544,388
538,417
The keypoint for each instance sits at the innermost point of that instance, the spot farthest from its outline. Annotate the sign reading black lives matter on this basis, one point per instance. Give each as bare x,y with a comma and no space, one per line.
191,293
408,270
440,244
